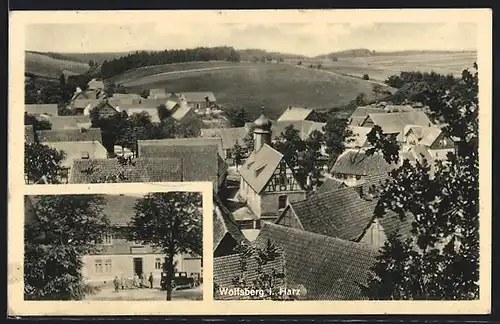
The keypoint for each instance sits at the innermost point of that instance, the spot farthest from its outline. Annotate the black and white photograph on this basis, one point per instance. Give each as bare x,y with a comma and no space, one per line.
342,149
113,247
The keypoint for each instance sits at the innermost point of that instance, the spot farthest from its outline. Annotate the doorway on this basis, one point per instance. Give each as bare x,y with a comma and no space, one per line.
138,266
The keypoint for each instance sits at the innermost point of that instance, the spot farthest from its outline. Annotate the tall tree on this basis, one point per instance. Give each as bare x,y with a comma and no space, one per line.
290,145
170,222
65,229
237,117
41,160
441,259
336,135
237,154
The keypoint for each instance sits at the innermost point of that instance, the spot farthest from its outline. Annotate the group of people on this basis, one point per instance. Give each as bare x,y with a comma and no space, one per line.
138,281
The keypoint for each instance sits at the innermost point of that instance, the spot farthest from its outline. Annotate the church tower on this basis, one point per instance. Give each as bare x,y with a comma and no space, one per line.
262,131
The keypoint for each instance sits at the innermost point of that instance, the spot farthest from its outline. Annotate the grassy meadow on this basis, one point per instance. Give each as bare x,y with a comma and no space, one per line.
255,85
380,67
45,66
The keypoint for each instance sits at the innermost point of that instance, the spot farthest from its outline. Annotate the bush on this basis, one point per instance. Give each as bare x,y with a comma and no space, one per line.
366,77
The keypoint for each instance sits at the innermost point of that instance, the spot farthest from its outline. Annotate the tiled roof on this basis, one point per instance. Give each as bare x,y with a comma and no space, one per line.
179,142
201,157
143,170
224,224
76,150
329,185
295,114
70,122
430,135
392,224
358,138
359,163
329,268
227,268
70,135
198,96
29,135
338,213
39,109
211,132
260,166
94,84
120,208
360,114
83,103
126,96
395,122
88,94
230,136
181,112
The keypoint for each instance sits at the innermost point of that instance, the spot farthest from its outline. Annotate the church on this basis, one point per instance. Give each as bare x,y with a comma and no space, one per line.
267,183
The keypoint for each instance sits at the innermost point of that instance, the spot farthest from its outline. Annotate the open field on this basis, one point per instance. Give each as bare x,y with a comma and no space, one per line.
380,67
251,86
130,76
43,65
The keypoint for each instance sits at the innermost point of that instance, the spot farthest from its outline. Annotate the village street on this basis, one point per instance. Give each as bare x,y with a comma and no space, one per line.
107,293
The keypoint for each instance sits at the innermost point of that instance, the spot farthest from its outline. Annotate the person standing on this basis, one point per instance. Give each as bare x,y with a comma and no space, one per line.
116,283
122,282
150,280
141,278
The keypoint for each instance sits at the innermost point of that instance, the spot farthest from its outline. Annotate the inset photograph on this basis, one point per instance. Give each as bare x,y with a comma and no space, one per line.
113,247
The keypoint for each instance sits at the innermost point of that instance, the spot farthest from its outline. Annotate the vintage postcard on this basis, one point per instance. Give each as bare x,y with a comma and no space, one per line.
336,152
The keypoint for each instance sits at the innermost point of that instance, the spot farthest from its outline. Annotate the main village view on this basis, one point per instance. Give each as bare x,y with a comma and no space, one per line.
342,176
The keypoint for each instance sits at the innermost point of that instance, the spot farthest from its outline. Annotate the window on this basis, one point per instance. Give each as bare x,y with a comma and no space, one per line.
85,155
282,202
107,239
358,177
98,266
198,106
107,266
158,264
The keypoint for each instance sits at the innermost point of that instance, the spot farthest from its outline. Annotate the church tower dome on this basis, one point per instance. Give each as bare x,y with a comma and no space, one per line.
262,131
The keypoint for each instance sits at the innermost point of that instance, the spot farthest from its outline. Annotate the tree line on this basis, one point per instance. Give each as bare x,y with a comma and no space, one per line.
110,68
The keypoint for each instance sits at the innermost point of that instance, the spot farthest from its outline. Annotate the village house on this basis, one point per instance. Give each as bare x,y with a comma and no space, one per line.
95,85
41,110
360,113
198,100
104,109
200,157
69,135
432,138
83,106
119,256
321,267
88,94
352,166
69,122
229,137
395,122
267,182
298,114
81,150
150,106
226,234
161,93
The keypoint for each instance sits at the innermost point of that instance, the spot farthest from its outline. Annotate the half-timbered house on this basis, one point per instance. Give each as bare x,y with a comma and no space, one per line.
267,182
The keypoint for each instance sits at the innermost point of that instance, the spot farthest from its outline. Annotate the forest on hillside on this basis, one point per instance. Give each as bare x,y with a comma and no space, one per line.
146,58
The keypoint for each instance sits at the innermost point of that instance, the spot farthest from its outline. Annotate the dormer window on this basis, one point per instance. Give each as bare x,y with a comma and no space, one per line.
85,155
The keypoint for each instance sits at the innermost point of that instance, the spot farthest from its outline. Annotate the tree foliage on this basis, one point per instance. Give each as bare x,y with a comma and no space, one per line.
41,160
138,59
237,153
170,222
441,260
237,117
65,229
336,135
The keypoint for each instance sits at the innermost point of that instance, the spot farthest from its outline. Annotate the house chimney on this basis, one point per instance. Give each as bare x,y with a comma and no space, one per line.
262,131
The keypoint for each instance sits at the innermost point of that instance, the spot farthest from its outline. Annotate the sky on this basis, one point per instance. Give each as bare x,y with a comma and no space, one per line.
309,39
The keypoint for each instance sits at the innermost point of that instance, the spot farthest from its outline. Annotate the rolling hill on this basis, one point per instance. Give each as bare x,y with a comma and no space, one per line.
381,65
44,65
252,86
